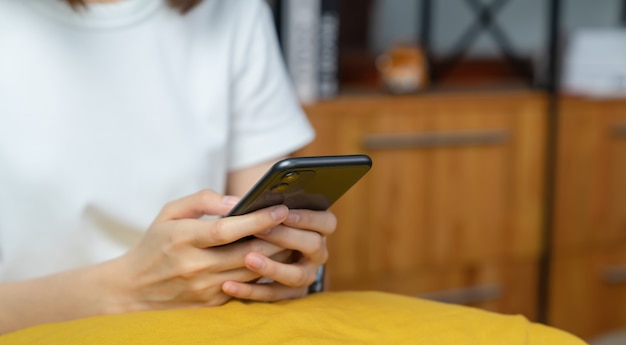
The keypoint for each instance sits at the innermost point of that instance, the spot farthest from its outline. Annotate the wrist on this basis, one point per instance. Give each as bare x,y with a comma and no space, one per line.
113,288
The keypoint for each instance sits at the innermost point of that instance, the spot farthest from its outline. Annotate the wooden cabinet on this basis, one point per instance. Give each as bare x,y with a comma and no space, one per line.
452,207
588,275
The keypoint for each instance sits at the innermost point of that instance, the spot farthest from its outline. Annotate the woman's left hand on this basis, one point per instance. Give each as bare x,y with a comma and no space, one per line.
304,232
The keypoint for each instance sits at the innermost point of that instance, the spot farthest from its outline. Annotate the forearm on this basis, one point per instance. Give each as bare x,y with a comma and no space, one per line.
66,296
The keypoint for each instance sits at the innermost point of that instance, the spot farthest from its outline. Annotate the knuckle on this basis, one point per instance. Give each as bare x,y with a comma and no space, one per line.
217,232
324,255
197,288
188,269
315,245
206,196
256,246
332,222
301,278
168,207
177,236
318,243
173,242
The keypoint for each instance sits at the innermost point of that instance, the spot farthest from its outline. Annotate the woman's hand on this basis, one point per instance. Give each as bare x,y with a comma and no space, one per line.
181,262
304,232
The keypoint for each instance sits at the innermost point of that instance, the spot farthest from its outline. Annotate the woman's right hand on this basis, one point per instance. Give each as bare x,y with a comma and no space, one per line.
180,261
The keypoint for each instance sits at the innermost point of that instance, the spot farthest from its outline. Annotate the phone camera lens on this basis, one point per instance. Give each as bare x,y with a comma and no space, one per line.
290,177
279,188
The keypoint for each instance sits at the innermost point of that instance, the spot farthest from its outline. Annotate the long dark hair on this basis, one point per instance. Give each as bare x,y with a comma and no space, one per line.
183,6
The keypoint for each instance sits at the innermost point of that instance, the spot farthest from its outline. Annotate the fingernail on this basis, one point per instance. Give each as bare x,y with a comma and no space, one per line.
230,200
230,288
294,216
266,232
279,212
256,262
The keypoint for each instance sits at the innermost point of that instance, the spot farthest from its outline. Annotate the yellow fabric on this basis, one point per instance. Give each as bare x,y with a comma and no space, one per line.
325,318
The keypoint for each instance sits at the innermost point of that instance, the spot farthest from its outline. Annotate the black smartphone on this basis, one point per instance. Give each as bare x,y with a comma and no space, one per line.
312,183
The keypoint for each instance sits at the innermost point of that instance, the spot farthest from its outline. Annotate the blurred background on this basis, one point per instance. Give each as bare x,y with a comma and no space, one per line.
497,129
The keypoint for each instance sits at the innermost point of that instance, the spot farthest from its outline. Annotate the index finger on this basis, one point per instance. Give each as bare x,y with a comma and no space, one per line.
205,202
229,229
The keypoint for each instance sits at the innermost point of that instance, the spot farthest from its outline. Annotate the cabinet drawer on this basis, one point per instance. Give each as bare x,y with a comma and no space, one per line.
454,180
506,286
588,291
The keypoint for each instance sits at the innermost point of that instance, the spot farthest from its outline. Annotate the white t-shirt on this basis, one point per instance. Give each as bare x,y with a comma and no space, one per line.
109,113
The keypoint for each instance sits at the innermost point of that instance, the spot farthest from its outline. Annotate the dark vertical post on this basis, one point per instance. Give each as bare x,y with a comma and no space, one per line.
425,27
552,88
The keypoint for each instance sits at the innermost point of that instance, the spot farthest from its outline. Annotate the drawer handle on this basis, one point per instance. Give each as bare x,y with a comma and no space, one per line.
619,130
435,139
468,295
615,275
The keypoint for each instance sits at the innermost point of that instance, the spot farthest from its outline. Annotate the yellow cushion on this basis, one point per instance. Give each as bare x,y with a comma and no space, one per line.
330,317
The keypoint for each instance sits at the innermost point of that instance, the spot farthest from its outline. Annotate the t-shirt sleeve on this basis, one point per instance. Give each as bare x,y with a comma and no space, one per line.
268,121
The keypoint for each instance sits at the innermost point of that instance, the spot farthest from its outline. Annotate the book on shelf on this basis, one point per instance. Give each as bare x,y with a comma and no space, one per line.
308,32
329,49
